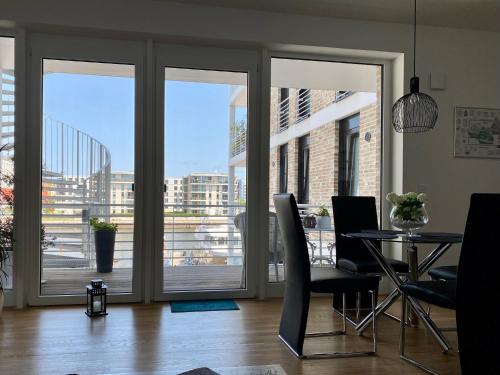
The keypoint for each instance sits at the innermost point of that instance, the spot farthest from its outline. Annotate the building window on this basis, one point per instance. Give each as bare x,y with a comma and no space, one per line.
349,156
303,104
283,168
284,107
304,156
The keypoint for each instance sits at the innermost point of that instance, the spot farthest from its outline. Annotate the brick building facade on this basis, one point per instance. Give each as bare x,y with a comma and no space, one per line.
326,159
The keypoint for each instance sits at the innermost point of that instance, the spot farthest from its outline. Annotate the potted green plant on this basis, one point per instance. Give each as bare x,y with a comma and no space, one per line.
6,241
324,220
104,236
7,227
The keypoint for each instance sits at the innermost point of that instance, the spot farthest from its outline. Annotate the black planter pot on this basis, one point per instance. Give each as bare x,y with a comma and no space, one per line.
104,250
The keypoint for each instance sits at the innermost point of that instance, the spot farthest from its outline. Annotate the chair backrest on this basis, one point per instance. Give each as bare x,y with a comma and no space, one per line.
478,287
240,222
297,266
276,252
353,214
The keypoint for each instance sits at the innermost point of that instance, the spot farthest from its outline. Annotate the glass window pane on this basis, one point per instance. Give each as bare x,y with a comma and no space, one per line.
205,151
328,117
7,103
87,172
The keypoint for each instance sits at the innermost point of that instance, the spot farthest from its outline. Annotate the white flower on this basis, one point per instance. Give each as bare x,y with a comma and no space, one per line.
422,197
392,197
411,195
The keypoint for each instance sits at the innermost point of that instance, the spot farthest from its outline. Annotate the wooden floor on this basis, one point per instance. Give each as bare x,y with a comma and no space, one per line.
147,339
72,280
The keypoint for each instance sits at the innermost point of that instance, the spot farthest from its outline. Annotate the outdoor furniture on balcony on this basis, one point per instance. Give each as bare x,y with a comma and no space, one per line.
276,252
317,254
201,251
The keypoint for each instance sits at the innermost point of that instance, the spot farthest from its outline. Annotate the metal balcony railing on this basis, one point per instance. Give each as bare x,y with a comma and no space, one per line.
307,103
238,140
76,168
207,237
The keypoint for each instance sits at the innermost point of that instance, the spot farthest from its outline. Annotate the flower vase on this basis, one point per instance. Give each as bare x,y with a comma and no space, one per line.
409,219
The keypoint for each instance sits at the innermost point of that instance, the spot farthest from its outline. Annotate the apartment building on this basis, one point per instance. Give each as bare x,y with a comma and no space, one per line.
173,197
122,192
209,190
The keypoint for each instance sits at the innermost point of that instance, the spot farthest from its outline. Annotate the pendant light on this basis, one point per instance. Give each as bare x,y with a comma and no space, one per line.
415,112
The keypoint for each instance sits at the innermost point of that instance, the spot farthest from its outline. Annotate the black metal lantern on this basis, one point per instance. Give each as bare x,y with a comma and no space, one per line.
415,112
96,298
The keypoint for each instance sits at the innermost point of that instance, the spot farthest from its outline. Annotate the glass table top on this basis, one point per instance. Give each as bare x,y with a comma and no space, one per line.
399,236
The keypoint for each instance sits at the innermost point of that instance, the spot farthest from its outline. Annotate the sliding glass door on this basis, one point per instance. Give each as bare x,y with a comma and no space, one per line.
85,132
158,202
205,126
87,174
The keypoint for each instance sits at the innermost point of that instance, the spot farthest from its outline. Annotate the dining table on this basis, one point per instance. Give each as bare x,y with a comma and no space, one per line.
440,242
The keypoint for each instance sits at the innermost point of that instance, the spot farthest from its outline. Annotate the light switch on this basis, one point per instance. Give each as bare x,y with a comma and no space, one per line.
438,81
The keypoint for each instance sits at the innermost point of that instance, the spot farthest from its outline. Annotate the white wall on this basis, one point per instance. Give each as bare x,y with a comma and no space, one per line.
469,59
471,63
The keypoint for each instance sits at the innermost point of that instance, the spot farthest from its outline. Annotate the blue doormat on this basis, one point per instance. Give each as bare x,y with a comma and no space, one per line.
205,305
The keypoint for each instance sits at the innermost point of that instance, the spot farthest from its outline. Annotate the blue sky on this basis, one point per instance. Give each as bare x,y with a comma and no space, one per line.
197,134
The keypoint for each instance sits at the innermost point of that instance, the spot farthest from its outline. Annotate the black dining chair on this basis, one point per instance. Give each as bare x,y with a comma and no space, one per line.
443,273
357,214
302,280
476,289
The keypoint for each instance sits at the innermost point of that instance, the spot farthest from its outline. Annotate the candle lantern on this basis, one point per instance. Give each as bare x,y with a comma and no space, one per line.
96,298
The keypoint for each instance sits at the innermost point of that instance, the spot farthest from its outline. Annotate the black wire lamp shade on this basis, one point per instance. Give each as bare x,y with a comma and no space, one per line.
415,112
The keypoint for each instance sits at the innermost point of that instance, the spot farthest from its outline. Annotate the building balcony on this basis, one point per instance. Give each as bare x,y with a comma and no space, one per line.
313,115
202,250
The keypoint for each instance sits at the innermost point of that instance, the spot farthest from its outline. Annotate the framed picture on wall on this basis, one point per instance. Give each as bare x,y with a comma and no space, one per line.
477,132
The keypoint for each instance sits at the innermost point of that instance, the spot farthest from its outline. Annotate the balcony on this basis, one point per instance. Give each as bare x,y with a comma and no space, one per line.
308,104
201,251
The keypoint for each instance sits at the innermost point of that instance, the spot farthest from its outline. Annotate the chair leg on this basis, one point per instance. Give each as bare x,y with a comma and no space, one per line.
402,340
358,306
343,332
374,321
403,327
243,271
344,313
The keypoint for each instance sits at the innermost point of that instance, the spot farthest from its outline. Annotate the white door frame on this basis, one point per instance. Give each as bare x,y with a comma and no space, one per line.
388,171
42,46
207,58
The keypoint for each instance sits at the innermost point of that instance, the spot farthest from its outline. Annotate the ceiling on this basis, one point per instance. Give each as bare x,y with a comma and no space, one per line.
469,14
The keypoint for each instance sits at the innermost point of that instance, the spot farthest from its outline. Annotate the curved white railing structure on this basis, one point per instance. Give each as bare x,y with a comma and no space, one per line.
76,168
76,185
